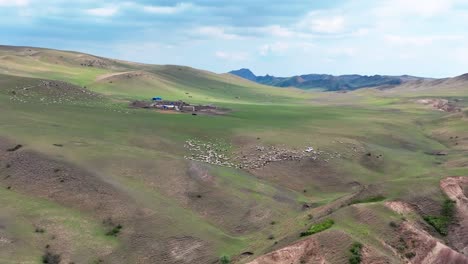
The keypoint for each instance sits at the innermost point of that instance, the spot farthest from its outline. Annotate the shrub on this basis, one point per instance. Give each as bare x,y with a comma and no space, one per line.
448,208
324,225
39,230
50,258
225,260
410,255
441,223
114,231
355,253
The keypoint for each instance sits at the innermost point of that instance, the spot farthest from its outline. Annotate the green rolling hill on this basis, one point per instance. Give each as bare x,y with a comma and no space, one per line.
85,178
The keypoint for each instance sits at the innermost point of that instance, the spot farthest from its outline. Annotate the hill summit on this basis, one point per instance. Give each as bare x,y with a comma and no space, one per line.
245,73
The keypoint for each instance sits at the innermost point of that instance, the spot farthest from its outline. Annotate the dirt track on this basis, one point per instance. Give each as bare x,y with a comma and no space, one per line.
127,74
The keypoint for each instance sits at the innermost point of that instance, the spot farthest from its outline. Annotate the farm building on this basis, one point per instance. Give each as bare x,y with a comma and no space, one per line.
179,106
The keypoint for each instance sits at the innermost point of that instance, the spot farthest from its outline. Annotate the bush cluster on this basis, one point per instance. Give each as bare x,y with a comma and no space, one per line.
442,222
324,225
355,253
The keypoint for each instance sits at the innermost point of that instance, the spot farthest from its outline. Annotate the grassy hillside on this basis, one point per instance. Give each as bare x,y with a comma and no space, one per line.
82,145
130,80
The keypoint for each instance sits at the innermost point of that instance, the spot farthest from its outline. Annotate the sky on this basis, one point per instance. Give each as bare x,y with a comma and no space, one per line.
283,38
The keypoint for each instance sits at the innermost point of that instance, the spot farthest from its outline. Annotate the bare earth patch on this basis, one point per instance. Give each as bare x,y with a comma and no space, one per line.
326,247
458,234
440,104
416,245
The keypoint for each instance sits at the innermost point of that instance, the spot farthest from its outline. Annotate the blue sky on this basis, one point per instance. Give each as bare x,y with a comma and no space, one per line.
418,37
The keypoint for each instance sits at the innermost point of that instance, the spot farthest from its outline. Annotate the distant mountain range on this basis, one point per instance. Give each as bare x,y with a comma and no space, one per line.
326,81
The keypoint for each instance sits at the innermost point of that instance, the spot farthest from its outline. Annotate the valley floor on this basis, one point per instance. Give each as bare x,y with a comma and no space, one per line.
86,179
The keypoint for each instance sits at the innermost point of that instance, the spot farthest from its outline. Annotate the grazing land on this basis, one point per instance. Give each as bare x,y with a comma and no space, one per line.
373,175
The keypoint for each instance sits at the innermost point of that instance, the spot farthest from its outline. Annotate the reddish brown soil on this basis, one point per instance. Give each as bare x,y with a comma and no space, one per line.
400,207
417,246
458,234
168,112
440,104
326,247
370,256
426,248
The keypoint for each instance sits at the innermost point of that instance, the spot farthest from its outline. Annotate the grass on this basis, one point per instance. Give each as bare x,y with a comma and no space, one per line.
442,222
141,153
22,211
368,223
109,138
319,227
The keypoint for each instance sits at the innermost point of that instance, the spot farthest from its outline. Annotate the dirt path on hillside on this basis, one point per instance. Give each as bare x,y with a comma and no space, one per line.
458,234
110,75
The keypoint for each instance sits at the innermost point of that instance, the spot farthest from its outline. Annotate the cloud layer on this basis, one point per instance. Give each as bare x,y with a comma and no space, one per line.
420,37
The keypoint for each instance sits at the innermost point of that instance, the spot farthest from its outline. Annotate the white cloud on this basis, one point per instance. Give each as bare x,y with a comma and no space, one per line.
328,25
323,22
278,31
275,48
342,51
419,40
361,32
461,55
281,48
275,31
215,32
424,8
232,56
14,2
103,11
168,10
